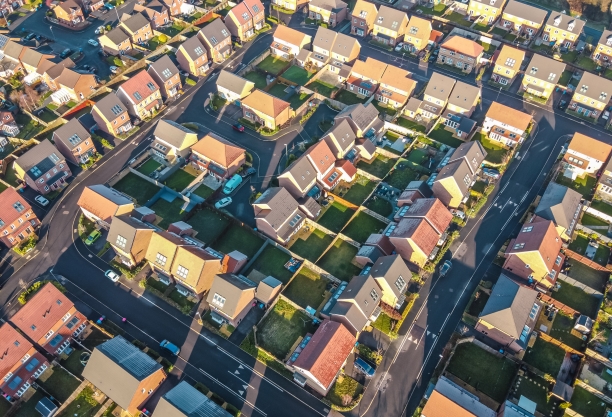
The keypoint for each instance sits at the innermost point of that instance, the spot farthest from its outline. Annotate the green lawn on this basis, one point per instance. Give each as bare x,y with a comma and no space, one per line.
258,78
380,206
401,177
587,404
180,299
590,220
499,31
60,384
379,167
28,409
602,206
272,262
337,260
139,188
322,88
203,191
238,238
587,63
437,10
179,180
444,136
345,387
383,323
312,247
565,78
298,75
278,90
587,275
84,405
495,151
545,356
272,65
348,98
209,224
4,406
409,124
73,363
149,166
169,212
2,187
535,388
483,370
280,329
458,18
584,185
478,303
307,289
362,226
297,99
561,330
336,216
602,255
359,191
577,299
579,244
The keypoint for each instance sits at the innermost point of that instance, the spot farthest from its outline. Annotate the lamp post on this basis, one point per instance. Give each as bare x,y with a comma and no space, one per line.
52,34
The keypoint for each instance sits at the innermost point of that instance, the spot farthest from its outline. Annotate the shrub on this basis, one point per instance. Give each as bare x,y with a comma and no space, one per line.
26,246
162,38
142,283
33,289
190,82
129,273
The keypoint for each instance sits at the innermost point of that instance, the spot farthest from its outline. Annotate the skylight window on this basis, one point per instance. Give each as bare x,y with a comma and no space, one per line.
245,16
213,40
295,220
198,50
256,9
19,207
224,33
552,76
116,110
74,139
510,62
151,86
167,73
137,96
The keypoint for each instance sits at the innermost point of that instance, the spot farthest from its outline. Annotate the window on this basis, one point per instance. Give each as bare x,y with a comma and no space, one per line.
374,295
467,180
534,311
400,284
527,229
66,317
25,358
182,272
56,340
558,260
49,334
121,241
524,334
295,220
18,206
519,246
160,259
137,96
218,300
214,40
167,73
33,327
72,323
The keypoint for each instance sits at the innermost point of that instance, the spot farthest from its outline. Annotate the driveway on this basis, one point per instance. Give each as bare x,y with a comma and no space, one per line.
246,325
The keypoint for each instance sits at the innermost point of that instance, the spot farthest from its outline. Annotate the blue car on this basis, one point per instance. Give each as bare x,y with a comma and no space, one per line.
364,367
171,347
109,6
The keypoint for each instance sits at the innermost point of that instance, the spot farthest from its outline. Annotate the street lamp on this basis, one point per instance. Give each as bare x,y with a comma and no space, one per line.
52,34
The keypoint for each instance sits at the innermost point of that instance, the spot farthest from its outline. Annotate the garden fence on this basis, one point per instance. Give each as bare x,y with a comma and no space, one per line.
593,391
315,225
386,153
592,354
584,260
375,215
599,214
559,343
557,304
349,240
253,63
368,175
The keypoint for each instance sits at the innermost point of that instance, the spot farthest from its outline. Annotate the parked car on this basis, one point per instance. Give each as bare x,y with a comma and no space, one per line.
93,236
445,268
171,347
458,213
93,42
224,202
114,69
562,105
492,173
112,275
248,172
29,36
99,30
65,53
109,6
364,367
41,200
399,46
238,127
606,115
232,184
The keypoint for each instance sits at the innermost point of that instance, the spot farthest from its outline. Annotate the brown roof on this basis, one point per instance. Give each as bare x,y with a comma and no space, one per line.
595,87
509,116
13,347
510,57
462,45
541,236
218,149
433,211
417,230
326,352
241,13
365,10
398,78
265,103
291,36
139,86
525,11
370,68
392,19
8,213
440,406
590,147
102,201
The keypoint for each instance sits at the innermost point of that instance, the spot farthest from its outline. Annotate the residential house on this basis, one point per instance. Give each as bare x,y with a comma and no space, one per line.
522,18
155,12
375,246
75,86
69,13
413,191
30,60
463,99
43,168
602,54
450,399
100,204
324,356
340,139
510,314
290,5
140,95
416,234
562,30
486,11
365,76
124,373
287,42
591,96
138,28
459,52
172,142
330,12
585,155
185,401
161,253
192,57
91,6
561,205
7,7
8,125
115,42
267,290
395,87
541,76
12,53
217,156
21,363
50,319
257,11
344,53
230,298
217,40
362,18
392,276
357,305
453,183
166,76
506,125
507,65
363,120
232,87
129,238
111,115
435,97
17,222
265,109
390,26
322,45
240,22
338,48
74,142
175,7
604,184
534,254
417,35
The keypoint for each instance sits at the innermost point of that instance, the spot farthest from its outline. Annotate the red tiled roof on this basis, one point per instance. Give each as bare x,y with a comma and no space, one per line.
541,236
433,210
321,156
419,231
8,214
239,10
462,45
138,84
346,166
13,346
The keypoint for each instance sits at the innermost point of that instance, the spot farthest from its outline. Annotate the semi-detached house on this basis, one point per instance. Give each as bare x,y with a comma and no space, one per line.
172,142
140,95
155,12
43,168
230,298
232,87
603,52
218,157
266,110
111,115
507,65
362,18
541,76
192,56
417,35
166,76
217,39
486,10
330,12
365,76
585,155
74,142
563,30
135,234
287,42
506,125
390,26
524,19
562,206
137,27
591,96
17,220
462,53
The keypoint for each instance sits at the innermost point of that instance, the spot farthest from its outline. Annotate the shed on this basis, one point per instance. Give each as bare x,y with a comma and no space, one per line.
46,408
584,324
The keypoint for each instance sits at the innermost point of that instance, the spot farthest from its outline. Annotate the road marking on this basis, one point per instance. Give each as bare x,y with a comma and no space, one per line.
244,386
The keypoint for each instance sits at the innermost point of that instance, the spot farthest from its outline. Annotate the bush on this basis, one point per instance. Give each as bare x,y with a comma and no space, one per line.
308,114
129,273
33,289
26,246
190,82
431,266
162,38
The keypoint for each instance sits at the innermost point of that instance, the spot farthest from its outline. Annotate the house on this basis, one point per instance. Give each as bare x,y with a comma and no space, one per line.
602,54
330,12
395,87
217,156
365,76
140,95
268,289
17,220
185,401
216,38
175,7
129,238
344,53
324,356
357,305
69,13
8,125
155,12
300,178
257,11
506,125
115,42
486,11
417,233
166,76
436,96
287,42
240,22
322,45
279,216
232,87
463,99
413,191
362,18
192,57
340,139
524,19
50,319
453,183
100,204
50,71
75,86
460,52
507,65
417,35
31,59
363,120
541,76
230,298
7,8
562,30
390,26
291,5
449,399
585,155
534,254
334,48
74,142
591,96
138,28
124,373
510,314
604,184
562,206
161,253
43,168
111,116
91,6
392,276
375,246
21,363
265,109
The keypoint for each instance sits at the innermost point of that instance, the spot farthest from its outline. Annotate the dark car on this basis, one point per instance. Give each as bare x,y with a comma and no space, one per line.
445,268
238,127
492,173
248,172
433,58
562,105
65,53
29,37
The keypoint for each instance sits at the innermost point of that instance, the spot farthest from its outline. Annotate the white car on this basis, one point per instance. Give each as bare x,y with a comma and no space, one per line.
225,201
399,46
99,30
114,69
93,42
41,200
112,275
606,115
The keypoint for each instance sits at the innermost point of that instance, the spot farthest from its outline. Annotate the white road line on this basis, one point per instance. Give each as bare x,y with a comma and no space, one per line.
234,374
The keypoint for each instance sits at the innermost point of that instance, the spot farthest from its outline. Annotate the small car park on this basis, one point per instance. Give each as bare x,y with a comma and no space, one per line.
112,275
93,236
171,347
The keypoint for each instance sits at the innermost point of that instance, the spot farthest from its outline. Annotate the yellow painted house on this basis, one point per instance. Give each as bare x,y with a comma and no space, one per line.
507,65
592,96
487,10
541,76
562,30
417,35
525,19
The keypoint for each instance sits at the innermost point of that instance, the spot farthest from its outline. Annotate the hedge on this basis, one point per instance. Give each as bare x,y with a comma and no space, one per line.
33,289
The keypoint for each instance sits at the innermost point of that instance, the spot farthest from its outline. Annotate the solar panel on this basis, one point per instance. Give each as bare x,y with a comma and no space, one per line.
129,357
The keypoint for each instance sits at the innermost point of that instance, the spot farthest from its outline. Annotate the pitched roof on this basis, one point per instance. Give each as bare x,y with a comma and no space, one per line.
508,115
139,87
343,134
110,107
391,19
365,10
538,236
265,103
324,38
302,171
344,45
526,11
439,406
13,347
462,45
565,22
127,227
102,201
464,95
266,288
13,49
326,352
398,78
590,147
186,401
544,68
254,6
43,157
364,292
595,87
417,230
277,206
217,149
458,171
606,37
559,204
217,30
370,68
69,6
321,156
419,27
71,134
194,48
70,78
9,209
440,86
291,36
331,5
135,22
390,268
241,13
234,289
362,116
117,35
174,134
462,402
433,211
164,67
494,3
31,57
471,152
235,83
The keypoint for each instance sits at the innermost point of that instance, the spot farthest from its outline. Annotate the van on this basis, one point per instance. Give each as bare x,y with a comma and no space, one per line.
232,184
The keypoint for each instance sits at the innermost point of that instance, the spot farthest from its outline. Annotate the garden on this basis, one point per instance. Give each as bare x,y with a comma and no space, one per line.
313,246
179,180
348,98
297,75
60,384
359,191
203,191
380,206
561,330
322,88
495,151
362,226
209,224
536,389
545,356
379,167
345,391
587,275
272,65
587,404
238,238
337,260
140,189
271,261
584,185
84,405
409,124
577,299
440,134
307,289
149,166
336,217
401,176
170,212
257,78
